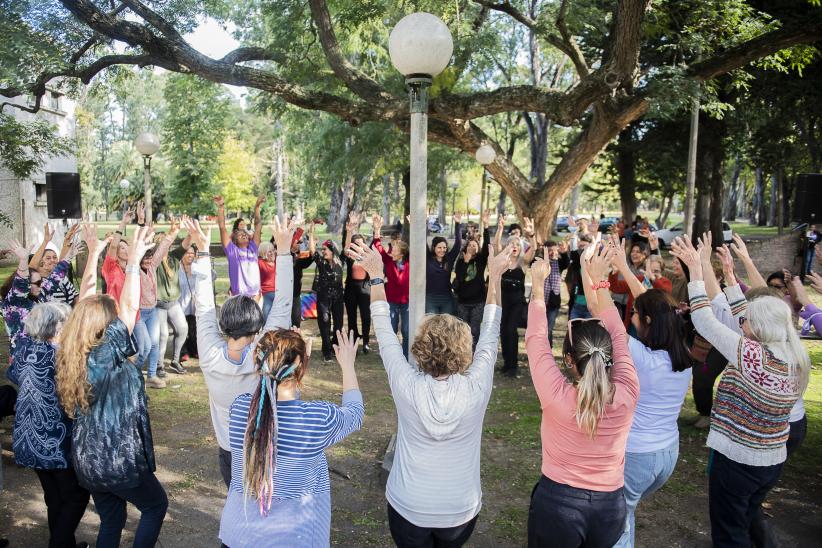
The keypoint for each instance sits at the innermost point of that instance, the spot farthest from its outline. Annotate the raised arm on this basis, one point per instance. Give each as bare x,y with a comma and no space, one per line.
258,220
498,233
88,285
225,237
530,235
130,297
704,247
208,331
548,380
724,339
755,279
20,286
128,215
312,242
629,283
165,244
810,312
68,240
279,317
454,252
347,418
48,234
376,225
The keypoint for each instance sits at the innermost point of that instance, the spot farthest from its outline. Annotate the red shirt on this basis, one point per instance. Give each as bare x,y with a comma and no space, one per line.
115,278
268,275
621,287
398,278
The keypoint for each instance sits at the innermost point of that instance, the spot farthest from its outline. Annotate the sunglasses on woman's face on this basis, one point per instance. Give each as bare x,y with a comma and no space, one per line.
579,321
742,320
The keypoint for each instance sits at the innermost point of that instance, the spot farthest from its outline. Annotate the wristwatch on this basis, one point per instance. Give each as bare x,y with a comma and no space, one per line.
203,254
376,281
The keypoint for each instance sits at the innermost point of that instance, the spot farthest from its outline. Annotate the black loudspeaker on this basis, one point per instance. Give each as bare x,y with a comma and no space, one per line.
63,195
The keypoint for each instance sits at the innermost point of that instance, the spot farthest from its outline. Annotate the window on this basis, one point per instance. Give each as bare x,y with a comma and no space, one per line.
52,100
40,194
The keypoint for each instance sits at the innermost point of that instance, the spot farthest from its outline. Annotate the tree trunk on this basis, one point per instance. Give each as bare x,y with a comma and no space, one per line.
501,202
717,190
733,191
443,196
780,197
759,211
773,201
386,198
572,210
626,169
665,209
406,213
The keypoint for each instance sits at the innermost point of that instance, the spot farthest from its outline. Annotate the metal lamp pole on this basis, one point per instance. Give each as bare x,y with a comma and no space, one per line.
420,46
147,144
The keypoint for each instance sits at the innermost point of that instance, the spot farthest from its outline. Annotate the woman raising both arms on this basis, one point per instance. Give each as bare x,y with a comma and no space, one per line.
587,404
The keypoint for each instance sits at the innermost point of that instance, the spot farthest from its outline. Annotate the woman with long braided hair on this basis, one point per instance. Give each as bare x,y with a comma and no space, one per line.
280,491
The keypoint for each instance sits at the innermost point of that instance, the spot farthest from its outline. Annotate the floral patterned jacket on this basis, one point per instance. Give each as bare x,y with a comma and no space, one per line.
19,301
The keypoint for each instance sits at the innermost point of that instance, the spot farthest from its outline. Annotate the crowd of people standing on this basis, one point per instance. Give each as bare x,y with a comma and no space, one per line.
638,337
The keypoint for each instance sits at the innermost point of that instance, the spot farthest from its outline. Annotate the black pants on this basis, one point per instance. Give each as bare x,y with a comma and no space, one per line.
509,332
297,310
408,535
329,310
358,297
191,340
761,533
66,503
735,495
225,465
704,377
8,398
567,517
150,499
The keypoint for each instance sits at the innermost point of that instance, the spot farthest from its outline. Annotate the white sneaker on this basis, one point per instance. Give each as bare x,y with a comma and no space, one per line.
155,382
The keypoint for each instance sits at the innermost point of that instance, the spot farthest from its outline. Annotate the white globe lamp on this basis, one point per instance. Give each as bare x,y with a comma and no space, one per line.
124,184
485,154
420,44
147,144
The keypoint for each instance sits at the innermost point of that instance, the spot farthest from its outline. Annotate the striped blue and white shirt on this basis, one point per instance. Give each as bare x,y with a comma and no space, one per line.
300,513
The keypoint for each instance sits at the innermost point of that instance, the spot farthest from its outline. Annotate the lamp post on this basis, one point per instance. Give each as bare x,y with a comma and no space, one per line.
420,46
147,144
485,155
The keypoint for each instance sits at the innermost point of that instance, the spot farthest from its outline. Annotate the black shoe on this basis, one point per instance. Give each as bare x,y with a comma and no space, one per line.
366,349
161,372
510,372
175,367
328,358
4,542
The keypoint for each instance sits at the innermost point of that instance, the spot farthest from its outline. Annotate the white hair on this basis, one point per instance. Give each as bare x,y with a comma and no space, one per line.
45,320
521,256
771,323
264,248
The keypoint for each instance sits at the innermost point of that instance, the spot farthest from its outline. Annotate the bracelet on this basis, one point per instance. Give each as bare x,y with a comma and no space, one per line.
118,232
203,253
132,269
604,284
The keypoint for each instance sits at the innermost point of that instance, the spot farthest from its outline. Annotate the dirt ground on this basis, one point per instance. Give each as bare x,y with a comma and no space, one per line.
187,459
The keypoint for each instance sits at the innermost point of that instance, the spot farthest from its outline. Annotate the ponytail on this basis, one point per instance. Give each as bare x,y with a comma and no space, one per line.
285,351
593,392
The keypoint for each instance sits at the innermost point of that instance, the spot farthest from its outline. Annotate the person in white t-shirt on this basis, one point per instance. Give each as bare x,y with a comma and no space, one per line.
663,366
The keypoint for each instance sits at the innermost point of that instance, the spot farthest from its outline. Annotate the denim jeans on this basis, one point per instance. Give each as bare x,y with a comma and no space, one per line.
809,256
579,311
440,304
644,474
148,340
268,300
562,516
150,499
472,315
171,313
399,313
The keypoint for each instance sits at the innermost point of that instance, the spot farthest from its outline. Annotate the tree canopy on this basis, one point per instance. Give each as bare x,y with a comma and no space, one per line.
591,66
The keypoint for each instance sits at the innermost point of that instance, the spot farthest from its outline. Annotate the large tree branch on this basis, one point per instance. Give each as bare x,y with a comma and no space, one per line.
572,51
622,55
353,78
756,48
252,53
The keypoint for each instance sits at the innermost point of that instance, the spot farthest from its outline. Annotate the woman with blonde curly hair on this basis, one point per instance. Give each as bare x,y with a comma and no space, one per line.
441,401
111,448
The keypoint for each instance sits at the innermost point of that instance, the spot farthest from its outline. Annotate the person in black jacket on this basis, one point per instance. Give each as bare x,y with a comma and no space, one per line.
577,306
557,257
328,283
357,294
469,281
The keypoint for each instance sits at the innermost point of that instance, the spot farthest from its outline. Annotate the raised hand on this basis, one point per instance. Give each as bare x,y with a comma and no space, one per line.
598,263
619,260
346,349
141,213
219,202
73,250
198,238
528,227
500,221
141,241
354,219
704,247
540,270
259,202
739,247
683,249
48,233
486,218
369,259
653,239
593,227
376,223
283,235
725,259
498,262
458,217
128,216
19,251
798,292
571,221
563,246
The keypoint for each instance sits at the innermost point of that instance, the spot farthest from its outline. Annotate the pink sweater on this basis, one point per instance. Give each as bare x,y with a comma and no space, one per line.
569,455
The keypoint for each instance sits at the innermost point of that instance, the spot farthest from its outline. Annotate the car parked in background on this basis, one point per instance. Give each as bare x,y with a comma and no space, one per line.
562,222
667,235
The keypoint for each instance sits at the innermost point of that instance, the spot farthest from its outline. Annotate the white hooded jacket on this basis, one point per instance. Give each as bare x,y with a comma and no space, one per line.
435,479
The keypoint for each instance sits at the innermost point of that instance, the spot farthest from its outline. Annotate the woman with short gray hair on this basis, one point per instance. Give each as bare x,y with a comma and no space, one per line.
42,430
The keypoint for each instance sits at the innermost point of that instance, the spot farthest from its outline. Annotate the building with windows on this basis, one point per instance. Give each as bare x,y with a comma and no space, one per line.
26,201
